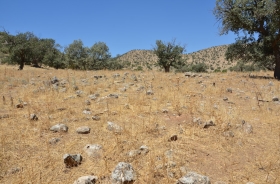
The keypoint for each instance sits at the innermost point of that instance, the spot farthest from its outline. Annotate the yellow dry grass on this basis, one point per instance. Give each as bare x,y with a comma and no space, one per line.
245,157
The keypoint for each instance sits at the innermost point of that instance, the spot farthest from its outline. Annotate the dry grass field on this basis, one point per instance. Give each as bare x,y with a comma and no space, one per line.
225,152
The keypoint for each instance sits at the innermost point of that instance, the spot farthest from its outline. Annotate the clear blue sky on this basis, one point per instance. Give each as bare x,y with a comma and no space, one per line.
123,25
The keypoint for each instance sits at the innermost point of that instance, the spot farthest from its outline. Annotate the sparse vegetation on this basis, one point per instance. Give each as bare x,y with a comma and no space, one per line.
239,144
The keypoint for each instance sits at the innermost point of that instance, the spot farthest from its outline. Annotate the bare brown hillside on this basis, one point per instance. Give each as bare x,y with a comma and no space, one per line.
214,57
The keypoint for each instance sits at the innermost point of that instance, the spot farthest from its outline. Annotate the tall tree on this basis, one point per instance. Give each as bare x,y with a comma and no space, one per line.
77,55
259,21
99,55
169,54
19,47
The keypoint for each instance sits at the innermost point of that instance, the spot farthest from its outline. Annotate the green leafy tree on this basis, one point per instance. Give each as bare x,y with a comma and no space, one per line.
99,56
26,48
19,47
77,55
169,54
259,21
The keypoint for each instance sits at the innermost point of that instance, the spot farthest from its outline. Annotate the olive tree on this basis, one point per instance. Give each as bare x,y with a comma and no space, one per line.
169,54
259,22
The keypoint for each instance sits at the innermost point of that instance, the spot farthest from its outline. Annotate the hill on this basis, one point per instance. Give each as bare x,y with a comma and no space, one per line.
213,57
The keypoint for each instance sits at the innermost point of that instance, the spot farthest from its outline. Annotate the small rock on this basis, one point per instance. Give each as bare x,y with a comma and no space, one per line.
207,124
116,75
93,150
193,178
33,117
59,128
247,127
19,106
275,99
134,153
114,127
149,92
173,138
225,98
123,173
113,95
228,134
54,80
79,92
250,183
83,130
164,111
72,160
62,90
87,102
95,118
144,149
229,90
14,170
93,96
188,74
54,140
86,111
220,182
86,180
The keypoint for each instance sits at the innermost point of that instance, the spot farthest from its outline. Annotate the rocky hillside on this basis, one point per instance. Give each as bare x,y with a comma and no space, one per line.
214,57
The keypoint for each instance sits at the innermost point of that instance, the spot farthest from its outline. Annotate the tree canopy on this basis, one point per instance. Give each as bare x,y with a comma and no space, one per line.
259,21
169,54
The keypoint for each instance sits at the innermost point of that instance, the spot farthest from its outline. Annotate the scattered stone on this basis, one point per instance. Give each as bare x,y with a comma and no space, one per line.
59,128
93,150
93,96
165,111
144,149
79,92
86,111
225,98
134,153
114,127
275,99
188,74
72,160
14,170
229,90
116,75
5,116
95,118
61,109
173,138
134,78
123,173
141,88
270,83
97,76
228,134
247,127
54,80
209,123
83,130
113,95
54,140
86,180
33,117
87,102
19,106
149,92
193,178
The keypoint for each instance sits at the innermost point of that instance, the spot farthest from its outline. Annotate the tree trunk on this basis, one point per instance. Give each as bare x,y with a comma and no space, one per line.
277,62
21,64
166,68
